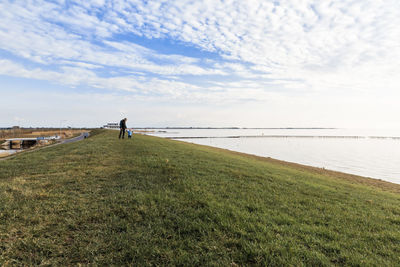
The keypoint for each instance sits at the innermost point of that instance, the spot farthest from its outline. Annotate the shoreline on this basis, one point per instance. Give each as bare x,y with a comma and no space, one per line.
287,136
358,179
364,180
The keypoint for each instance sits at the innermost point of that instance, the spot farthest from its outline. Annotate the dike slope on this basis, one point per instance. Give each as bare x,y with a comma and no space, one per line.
152,201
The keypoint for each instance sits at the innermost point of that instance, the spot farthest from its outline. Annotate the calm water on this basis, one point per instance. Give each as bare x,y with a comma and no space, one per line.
371,153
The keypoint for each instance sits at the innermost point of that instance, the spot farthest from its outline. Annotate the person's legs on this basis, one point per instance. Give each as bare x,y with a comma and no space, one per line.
120,132
123,133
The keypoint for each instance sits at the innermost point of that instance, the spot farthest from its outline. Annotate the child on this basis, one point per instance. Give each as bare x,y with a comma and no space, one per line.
129,133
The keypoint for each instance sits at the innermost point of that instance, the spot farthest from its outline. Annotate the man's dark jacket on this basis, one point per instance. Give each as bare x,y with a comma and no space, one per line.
122,124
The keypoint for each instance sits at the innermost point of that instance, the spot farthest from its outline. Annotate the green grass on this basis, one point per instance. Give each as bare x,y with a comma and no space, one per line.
151,201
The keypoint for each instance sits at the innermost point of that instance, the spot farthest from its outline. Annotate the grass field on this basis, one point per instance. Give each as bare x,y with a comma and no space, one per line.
151,201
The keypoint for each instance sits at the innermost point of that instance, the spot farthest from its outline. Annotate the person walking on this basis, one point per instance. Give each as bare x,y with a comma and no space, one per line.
129,133
122,128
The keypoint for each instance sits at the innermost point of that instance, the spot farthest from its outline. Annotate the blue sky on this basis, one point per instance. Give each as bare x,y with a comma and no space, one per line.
252,63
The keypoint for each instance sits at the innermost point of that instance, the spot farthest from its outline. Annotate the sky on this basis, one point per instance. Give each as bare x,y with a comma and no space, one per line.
253,63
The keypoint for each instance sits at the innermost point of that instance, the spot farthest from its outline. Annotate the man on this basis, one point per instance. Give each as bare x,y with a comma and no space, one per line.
122,128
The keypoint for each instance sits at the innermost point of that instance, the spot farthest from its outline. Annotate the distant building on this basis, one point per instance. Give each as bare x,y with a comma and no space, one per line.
111,125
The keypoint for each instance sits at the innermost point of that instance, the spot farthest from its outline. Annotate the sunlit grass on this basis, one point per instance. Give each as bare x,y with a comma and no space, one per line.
151,201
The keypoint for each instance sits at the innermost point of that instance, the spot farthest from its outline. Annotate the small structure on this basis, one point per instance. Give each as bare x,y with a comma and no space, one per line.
111,125
25,142
18,143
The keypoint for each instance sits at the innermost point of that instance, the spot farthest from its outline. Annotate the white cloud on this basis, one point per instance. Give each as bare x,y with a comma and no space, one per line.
294,35
33,37
266,49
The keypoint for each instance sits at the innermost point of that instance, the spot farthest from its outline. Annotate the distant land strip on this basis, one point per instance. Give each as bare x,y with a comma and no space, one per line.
286,136
239,128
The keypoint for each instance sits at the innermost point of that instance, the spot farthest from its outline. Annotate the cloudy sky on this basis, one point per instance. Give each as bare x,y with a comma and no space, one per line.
253,63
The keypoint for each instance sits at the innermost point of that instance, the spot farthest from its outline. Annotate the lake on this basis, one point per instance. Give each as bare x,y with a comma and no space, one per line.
367,152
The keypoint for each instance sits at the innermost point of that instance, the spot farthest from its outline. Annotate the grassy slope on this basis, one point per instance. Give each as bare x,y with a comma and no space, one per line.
155,201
